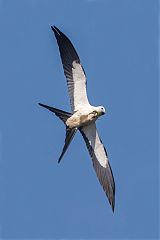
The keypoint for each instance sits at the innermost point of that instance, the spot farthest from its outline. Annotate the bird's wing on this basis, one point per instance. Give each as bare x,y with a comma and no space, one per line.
100,161
73,70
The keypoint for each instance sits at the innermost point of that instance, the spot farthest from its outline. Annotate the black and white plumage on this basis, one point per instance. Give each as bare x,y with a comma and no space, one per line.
76,80
83,116
100,161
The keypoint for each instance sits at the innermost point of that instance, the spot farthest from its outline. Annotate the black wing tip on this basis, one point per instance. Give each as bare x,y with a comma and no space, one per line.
113,205
55,30
112,200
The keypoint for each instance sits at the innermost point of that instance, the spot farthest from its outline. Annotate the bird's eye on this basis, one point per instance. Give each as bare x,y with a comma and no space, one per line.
101,108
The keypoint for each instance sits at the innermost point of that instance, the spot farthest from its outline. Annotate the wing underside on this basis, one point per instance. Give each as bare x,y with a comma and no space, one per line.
73,70
100,161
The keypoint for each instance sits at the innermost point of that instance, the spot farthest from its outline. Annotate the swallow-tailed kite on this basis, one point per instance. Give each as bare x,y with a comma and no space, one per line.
83,116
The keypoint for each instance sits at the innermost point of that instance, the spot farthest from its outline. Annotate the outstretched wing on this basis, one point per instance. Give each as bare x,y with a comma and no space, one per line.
73,70
100,161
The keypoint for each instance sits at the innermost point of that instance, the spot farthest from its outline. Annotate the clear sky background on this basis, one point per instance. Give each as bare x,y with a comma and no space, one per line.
117,41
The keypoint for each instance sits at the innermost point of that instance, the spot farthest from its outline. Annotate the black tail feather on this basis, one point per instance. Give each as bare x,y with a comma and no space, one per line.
59,113
70,132
69,136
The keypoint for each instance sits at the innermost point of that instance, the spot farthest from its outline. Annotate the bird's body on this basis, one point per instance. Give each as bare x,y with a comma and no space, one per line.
83,116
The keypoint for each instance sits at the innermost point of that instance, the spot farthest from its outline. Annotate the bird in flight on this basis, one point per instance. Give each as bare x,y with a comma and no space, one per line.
83,116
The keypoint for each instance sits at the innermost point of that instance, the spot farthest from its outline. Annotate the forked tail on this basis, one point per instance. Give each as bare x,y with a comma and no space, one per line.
70,132
59,113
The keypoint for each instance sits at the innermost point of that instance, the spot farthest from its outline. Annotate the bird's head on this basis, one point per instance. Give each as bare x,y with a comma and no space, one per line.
99,111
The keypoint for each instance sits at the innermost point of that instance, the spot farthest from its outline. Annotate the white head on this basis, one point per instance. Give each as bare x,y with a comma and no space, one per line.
100,110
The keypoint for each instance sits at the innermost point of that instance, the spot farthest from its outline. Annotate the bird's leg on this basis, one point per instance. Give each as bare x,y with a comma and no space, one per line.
93,115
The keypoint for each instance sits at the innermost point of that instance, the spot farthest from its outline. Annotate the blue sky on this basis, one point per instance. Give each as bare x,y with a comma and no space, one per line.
117,43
